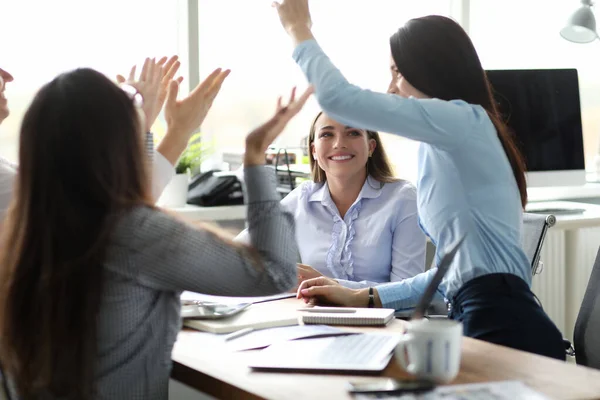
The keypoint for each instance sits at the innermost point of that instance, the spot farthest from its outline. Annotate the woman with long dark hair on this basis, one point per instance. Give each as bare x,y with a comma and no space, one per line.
91,270
471,180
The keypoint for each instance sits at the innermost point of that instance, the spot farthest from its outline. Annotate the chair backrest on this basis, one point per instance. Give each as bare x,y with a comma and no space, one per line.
586,337
533,235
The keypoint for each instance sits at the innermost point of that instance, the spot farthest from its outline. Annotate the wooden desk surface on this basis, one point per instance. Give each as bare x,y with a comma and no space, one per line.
202,361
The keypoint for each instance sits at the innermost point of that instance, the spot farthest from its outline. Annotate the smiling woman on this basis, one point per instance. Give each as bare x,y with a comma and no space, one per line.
354,221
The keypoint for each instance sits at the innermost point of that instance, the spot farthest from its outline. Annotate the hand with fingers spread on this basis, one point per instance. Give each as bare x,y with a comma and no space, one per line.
327,291
185,116
259,139
164,70
295,18
148,85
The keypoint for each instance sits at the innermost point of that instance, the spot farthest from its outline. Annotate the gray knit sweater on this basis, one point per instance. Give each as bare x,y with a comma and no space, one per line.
153,257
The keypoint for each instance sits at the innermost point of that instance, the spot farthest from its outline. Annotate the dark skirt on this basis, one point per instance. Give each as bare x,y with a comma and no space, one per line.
501,309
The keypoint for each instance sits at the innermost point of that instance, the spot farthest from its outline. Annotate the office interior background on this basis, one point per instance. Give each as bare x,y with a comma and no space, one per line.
40,39
245,36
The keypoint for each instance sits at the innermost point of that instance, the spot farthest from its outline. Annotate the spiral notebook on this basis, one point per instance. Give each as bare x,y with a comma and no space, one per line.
358,317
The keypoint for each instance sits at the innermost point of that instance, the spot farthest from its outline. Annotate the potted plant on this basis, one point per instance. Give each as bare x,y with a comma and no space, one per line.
197,151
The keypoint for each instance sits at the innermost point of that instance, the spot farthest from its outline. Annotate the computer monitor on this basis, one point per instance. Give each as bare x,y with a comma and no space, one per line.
542,109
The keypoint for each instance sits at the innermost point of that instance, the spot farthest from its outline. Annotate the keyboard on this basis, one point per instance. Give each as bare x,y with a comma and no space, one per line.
366,352
352,349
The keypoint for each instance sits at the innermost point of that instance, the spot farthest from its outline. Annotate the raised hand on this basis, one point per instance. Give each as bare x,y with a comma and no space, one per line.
147,84
185,116
259,139
293,14
154,97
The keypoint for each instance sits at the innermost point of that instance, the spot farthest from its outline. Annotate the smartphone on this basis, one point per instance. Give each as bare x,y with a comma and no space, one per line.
390,386
210,310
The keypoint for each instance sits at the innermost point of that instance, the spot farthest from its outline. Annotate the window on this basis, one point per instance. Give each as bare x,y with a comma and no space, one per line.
246,37
61,35
515,34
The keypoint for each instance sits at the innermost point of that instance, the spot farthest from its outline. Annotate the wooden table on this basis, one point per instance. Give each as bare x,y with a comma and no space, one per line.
202,361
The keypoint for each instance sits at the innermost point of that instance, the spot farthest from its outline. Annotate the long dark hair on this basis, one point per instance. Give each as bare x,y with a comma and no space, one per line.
437,57
82,164
378,164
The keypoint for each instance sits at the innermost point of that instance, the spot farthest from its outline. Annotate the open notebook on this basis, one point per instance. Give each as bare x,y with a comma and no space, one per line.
360,316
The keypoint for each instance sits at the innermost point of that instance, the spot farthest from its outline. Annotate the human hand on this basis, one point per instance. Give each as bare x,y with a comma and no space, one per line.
148,85
185,116
324,290
294,16
168,69
259,139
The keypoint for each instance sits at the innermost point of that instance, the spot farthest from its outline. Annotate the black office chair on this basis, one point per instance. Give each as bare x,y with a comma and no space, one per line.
586,336
535,227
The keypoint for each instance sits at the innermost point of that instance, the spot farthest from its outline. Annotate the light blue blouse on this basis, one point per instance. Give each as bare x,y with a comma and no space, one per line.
378,240
465,182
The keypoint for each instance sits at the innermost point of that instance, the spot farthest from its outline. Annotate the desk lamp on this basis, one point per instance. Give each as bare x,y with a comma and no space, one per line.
581,27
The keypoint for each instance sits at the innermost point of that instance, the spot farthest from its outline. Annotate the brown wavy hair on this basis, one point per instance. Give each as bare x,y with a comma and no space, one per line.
82,164
437,57
378,165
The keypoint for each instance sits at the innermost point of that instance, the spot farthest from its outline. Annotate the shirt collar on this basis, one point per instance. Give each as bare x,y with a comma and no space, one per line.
370,190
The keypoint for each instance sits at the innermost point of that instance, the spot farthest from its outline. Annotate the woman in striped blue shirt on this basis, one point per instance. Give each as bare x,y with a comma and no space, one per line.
471,178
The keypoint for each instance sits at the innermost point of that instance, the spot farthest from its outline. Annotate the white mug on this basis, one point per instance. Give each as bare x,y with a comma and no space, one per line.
433,348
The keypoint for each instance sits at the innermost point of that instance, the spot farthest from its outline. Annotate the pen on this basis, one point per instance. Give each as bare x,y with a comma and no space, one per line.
332,310
237,334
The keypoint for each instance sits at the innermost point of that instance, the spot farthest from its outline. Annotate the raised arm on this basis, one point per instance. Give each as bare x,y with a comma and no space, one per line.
170,255
444,124
154,83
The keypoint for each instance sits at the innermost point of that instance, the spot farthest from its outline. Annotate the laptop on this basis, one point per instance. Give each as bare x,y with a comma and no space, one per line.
355,352
424,305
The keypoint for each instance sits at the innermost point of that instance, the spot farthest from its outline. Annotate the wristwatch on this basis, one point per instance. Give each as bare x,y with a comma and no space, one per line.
371,298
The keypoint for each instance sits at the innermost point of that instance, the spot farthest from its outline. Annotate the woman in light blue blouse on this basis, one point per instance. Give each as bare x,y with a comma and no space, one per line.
355,222
471,178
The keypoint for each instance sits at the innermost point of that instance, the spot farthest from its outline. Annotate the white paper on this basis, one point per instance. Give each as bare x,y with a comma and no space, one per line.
266,337
191,296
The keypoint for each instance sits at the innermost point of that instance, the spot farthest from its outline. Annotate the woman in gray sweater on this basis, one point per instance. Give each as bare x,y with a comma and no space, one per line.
91,270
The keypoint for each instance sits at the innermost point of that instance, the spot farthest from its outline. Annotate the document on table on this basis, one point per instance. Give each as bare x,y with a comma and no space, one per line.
265,337
192,296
